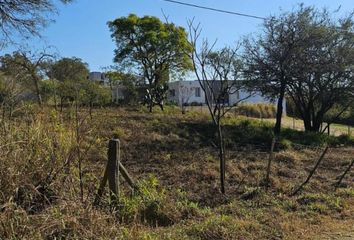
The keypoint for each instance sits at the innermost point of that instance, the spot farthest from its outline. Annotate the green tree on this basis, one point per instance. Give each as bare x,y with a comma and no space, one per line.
153,48
94,94
323,67
268,59
70,73
73,69
130,82
307,56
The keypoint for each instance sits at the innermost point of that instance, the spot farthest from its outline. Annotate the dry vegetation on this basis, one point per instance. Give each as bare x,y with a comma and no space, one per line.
173,159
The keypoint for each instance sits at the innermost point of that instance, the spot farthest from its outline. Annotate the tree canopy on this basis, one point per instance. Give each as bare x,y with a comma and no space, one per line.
305,55
153,48
71,69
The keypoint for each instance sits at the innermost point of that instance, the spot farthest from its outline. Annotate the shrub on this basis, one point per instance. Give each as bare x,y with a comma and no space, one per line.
147,205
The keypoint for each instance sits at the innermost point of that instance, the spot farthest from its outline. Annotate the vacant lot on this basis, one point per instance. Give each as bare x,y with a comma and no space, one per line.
174,160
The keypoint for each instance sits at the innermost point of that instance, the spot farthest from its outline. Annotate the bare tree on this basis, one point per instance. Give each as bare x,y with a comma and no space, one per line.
24,17
218,73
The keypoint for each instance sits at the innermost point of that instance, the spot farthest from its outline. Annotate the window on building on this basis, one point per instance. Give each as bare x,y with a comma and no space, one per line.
173,92
197,92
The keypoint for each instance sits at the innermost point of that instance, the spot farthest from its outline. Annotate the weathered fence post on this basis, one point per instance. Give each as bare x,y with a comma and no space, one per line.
113,168
111,173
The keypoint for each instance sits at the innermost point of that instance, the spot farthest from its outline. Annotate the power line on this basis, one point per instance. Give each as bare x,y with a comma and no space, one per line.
215,9
230,12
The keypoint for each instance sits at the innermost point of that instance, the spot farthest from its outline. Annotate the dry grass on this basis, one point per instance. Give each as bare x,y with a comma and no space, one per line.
335,129
172,157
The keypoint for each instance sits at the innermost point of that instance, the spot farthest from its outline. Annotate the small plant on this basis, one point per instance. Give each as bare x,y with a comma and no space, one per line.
147,205
322,203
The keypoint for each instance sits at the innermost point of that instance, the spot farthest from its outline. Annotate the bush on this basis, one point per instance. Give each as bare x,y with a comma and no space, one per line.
147,205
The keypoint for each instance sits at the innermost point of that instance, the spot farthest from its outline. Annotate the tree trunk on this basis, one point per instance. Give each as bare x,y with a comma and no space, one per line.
61,104
90,109
161,106
55,102
38,93
307,122
221,158
279,114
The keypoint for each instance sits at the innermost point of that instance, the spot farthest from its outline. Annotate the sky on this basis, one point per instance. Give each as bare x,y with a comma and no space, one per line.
80,29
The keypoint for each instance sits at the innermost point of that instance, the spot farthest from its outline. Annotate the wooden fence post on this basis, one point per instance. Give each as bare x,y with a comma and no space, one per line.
113,168
111,173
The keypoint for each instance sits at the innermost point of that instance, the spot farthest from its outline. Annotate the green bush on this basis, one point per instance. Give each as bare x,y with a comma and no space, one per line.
147,205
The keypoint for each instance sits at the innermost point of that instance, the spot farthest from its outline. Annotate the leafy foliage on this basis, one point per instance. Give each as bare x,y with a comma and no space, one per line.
152,48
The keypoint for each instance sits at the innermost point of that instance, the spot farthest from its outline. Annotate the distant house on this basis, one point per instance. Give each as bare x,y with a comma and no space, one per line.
99,77
189,92
185,92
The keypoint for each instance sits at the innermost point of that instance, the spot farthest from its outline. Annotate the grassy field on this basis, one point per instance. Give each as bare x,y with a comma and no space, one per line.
45,153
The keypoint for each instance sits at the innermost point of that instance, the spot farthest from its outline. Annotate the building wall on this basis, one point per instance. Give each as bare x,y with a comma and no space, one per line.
177,97
182,92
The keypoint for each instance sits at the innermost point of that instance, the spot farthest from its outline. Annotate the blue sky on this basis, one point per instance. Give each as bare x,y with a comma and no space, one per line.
81,30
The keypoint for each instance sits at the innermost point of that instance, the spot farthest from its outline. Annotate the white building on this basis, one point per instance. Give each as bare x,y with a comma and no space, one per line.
185,92
190,92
